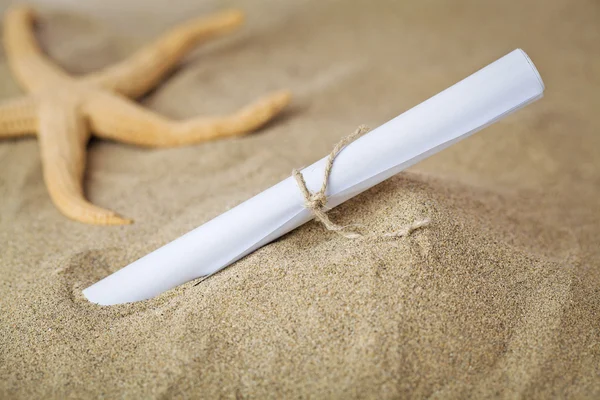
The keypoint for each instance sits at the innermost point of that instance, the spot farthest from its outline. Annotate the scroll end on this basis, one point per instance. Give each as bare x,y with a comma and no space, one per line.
534,69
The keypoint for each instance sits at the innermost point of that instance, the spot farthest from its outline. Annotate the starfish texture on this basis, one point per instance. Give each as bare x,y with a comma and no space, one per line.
63,111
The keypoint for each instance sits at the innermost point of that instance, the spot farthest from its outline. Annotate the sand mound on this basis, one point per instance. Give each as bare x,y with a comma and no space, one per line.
459,301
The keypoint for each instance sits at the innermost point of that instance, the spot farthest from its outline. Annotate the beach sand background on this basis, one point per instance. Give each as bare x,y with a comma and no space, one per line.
498,298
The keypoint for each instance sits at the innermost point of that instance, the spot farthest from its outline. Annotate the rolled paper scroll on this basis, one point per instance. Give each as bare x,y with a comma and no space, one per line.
454,114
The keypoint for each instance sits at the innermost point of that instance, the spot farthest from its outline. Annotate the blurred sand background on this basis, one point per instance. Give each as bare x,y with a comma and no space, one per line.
499,298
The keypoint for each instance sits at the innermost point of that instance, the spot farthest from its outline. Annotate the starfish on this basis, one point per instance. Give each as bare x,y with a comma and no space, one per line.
63,111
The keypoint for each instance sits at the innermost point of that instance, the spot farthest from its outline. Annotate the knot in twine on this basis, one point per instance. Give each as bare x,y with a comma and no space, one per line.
316,202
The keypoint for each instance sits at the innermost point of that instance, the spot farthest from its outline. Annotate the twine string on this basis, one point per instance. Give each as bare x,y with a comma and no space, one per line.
316,202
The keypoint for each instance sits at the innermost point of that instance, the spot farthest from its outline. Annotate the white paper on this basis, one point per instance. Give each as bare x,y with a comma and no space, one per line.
459,111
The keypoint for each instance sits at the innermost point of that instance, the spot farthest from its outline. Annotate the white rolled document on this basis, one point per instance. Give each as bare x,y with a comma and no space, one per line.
459,111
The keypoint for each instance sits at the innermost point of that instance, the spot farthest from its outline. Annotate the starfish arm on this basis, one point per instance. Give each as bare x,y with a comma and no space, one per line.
18,117
138,74
26,59
117,118
63,137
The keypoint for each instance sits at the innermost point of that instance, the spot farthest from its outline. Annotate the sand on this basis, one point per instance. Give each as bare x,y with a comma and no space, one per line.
498,298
